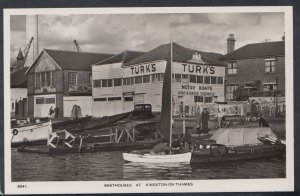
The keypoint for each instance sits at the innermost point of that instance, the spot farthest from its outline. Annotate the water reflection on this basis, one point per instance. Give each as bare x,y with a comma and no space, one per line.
157,171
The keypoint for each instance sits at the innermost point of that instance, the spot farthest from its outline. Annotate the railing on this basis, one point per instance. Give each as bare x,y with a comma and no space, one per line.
269,93
80,88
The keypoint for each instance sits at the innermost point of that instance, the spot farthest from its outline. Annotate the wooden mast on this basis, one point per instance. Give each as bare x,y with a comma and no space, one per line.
171,116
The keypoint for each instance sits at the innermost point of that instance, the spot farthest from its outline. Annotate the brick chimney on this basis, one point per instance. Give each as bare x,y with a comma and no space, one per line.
230,43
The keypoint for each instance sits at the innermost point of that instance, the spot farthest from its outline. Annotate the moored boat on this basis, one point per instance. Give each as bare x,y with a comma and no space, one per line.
149,158
31,134
235,144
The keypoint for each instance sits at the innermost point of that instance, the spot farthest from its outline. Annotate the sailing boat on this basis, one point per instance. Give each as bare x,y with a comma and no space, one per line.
165,125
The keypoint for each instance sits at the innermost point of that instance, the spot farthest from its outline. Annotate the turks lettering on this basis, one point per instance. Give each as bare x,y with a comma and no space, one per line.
143,69
199,69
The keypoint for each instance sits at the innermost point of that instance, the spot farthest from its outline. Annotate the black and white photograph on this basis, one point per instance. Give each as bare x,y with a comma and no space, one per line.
107,100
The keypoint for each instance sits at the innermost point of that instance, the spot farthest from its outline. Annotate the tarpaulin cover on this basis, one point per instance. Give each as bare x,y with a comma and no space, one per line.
241,136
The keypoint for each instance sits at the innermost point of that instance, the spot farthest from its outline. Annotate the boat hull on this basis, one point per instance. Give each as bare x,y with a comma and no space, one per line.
89,148
30,134
147,158
239,154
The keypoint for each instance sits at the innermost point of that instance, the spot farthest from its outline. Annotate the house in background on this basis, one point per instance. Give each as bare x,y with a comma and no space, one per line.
61,79
18,93
258,67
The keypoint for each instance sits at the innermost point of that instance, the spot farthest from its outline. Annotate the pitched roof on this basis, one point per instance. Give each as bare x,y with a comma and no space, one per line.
257,50
123,57
69,60
18,79
180,54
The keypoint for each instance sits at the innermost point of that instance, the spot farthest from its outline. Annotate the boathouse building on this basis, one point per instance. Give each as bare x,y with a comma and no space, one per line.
129,79
61,79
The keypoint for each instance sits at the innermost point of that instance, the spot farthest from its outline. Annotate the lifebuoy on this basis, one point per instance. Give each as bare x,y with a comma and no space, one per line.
15,132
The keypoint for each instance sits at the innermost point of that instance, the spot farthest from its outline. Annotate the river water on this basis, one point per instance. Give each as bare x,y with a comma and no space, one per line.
106,166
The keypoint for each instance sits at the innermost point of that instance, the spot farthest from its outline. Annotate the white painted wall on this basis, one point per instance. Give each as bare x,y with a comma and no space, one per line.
85,103
42,110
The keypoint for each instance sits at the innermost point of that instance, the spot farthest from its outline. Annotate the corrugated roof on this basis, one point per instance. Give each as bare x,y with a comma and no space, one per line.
257,50
69,60
18,79
180,54
123,57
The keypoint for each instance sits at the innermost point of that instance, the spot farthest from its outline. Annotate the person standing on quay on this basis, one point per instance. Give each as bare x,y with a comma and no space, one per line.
205,118
254,113
198,120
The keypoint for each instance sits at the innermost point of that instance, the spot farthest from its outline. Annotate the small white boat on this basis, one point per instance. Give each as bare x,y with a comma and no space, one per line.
37,133
148,158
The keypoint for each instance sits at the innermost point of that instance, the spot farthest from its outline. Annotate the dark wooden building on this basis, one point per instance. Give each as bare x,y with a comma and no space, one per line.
57,74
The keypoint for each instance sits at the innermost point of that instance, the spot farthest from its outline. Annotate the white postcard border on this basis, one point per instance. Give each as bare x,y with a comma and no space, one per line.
236,185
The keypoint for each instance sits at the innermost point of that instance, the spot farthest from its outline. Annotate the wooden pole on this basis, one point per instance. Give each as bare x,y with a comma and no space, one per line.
171,119
110,135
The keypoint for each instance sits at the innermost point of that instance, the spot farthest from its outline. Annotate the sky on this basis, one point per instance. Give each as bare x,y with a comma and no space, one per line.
114,33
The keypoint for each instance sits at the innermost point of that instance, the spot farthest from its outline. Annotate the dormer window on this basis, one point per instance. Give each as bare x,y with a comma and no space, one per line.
231,68
270,65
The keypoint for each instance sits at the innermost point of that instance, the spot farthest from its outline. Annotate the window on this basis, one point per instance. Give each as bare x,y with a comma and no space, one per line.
206,80
124,81
40,100
128,98
160,77
48,78
97,83
200,79
107,83
177,77
37,80
114,98
219,80
193,79
153,77
138,79
52,78
213,80
198,98
185,78
231,68
49,100
72,79
208,99
270,65
128,81
117,82
43,79
230,88
146,79
131,81
100,99
269,86
12,106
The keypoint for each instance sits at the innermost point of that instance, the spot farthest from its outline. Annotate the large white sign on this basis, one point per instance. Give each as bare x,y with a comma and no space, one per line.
145,69
196,69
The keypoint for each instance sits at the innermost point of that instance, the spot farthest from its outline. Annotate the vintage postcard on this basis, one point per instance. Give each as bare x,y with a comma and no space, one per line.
139,100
